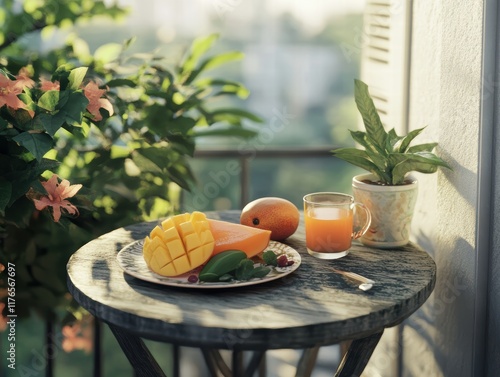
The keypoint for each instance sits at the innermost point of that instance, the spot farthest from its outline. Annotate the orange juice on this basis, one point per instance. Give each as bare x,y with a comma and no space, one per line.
328,230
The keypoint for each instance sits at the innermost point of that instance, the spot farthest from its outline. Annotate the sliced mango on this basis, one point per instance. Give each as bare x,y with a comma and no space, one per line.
182,243
229,236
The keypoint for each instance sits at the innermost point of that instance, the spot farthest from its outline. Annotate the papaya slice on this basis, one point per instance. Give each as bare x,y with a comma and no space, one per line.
230,236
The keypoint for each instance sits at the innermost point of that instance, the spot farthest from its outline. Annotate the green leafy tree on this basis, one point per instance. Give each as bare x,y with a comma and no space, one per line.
121,125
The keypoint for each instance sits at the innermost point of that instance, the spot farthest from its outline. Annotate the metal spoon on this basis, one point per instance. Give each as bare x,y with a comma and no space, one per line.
366,284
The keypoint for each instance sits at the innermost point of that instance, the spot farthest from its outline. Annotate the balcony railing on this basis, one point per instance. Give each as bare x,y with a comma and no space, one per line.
246,157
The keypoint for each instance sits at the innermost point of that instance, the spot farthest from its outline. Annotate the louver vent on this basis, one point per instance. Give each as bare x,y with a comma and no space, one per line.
377,26
384,62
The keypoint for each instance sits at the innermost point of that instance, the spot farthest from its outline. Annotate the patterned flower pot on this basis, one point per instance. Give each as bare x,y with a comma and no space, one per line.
391,208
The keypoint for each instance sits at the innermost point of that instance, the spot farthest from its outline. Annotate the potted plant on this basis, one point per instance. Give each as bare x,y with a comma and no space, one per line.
388,190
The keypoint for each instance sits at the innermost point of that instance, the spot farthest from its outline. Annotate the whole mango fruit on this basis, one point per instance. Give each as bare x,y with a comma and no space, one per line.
278,215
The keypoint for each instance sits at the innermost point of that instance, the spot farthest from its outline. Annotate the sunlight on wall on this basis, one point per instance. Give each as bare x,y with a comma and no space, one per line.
446,95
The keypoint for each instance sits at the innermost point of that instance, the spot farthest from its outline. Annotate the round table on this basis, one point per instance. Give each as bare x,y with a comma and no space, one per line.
307,309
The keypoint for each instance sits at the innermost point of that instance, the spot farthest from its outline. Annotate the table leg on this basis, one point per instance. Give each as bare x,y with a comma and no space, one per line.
307,362
263,366
215,364
358,355
237,363
137,354
256,363
344,346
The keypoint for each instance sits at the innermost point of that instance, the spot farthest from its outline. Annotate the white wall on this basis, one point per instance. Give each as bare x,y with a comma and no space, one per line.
449,334
445,94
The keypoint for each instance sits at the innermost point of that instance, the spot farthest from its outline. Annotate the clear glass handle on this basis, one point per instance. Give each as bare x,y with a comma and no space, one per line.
358,231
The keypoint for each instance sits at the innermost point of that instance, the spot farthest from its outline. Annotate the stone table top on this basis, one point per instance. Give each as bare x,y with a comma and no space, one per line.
310,307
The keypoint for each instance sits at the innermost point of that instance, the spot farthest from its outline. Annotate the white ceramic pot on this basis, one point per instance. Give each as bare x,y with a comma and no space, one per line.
391,208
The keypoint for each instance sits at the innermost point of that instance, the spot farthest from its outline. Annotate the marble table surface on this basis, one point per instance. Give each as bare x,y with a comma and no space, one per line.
310,307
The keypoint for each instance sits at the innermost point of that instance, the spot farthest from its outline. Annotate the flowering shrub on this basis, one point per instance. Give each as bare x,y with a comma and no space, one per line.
86,148
57,193
30,117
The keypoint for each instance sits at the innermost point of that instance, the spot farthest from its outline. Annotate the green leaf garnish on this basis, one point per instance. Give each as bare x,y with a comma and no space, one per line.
244,270
270,258
226,277
260,272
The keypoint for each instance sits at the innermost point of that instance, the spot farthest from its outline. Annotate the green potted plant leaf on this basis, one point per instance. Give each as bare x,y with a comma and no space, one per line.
388,190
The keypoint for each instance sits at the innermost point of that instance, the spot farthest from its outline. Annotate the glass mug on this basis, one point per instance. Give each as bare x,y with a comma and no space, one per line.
332,221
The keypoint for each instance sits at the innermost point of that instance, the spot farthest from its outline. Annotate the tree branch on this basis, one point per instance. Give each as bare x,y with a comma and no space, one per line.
11,38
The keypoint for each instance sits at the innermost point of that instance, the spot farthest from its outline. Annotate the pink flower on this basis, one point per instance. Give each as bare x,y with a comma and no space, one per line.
46,85
57,193
23,79
93,94
3,320
9,90
78,336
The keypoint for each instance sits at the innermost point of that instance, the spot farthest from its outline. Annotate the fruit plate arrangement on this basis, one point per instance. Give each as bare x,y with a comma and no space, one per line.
131,260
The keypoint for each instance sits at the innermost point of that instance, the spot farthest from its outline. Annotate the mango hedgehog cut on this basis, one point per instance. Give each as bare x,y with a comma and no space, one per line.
182,243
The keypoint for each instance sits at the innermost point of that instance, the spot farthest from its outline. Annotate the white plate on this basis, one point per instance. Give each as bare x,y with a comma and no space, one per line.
132,262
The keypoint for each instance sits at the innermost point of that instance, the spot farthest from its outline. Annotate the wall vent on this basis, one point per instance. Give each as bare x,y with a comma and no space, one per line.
385,58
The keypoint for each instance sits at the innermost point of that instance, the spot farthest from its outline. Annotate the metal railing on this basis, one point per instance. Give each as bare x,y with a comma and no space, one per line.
246,157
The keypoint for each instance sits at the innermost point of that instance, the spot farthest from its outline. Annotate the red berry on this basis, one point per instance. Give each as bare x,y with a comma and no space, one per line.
192,278
290,262
282,261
